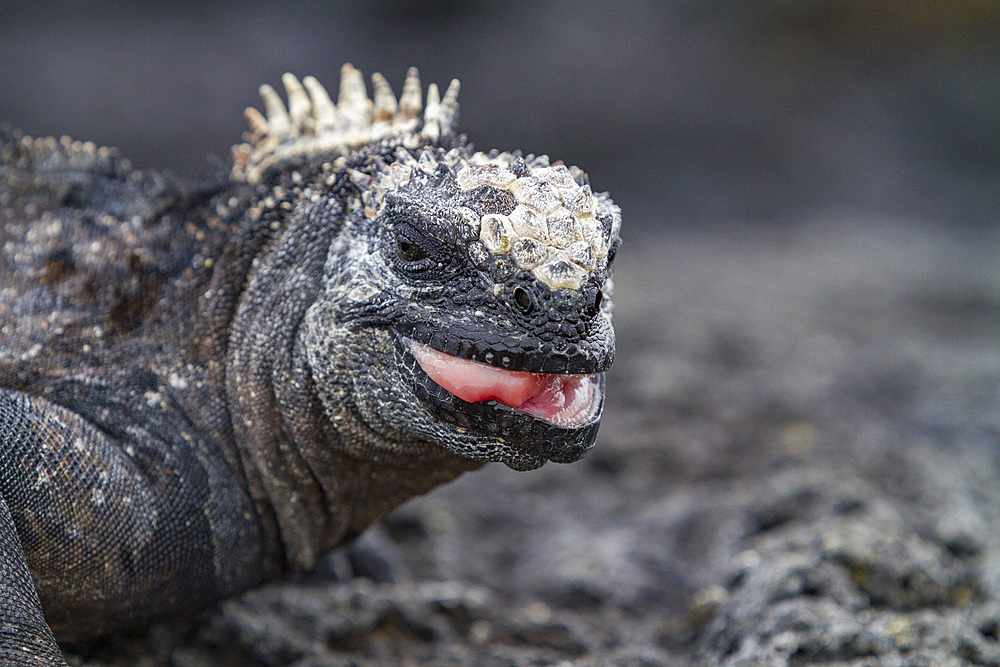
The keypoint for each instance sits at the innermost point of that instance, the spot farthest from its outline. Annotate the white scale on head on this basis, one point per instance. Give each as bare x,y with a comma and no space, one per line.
553,230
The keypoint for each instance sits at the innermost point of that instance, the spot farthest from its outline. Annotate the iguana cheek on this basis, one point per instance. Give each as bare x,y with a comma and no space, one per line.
564,400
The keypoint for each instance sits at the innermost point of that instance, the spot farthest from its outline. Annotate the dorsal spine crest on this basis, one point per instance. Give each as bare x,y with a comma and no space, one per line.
312,123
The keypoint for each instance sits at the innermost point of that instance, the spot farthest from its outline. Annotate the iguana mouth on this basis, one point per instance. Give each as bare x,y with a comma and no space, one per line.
569,400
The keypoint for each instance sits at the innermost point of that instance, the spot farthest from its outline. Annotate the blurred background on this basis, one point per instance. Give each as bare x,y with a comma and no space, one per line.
689,112
806,301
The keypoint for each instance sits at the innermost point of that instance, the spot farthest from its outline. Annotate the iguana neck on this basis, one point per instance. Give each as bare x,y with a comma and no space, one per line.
314,483
349,484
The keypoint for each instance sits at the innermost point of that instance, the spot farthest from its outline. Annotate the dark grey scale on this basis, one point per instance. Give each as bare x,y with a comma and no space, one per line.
487,199
567,316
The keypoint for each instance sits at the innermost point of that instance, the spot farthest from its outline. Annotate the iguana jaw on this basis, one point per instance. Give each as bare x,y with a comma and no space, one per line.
563,400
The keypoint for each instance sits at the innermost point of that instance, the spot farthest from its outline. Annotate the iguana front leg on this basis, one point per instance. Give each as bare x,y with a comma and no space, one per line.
116,528
25,639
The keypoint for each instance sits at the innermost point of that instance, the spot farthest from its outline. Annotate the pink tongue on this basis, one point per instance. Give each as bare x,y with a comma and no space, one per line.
561,399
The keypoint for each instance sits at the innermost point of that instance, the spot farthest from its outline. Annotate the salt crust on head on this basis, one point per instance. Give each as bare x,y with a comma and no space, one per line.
553,231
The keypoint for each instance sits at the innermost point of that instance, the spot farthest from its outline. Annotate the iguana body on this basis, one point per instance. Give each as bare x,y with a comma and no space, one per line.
203,386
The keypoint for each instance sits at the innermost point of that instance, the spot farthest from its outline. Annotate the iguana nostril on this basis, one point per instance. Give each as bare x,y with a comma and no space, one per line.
595,307
523,301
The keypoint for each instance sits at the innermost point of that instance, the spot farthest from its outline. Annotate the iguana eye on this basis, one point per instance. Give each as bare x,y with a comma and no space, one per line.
523,301
408,250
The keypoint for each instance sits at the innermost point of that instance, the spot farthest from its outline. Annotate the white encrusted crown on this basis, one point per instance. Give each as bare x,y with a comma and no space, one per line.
554,229
312,123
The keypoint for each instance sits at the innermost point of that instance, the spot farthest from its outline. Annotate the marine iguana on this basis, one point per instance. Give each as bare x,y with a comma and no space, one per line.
205,385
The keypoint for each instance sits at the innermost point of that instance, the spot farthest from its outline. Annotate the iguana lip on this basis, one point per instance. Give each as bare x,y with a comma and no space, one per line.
517,352
569,400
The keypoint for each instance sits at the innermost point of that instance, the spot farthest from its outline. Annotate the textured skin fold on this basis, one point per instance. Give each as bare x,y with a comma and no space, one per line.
25,639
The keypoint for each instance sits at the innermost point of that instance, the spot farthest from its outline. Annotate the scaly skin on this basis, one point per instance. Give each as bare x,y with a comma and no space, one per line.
203,386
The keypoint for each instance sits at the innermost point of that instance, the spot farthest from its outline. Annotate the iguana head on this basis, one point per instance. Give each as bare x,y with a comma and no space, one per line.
466,298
